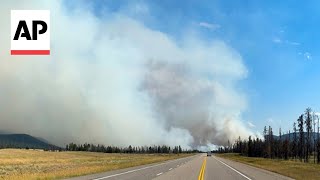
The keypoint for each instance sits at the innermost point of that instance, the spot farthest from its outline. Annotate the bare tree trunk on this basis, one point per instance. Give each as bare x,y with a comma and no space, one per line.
318,159
314,138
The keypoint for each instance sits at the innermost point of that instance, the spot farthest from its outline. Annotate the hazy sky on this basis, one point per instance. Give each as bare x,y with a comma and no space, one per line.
195,73
278,41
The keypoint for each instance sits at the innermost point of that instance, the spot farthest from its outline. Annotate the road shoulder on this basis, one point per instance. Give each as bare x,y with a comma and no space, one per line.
251,171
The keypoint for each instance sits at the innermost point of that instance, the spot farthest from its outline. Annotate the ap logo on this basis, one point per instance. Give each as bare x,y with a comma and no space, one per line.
30,32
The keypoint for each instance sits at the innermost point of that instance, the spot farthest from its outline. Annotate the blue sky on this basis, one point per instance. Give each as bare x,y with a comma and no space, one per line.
177,66
278,41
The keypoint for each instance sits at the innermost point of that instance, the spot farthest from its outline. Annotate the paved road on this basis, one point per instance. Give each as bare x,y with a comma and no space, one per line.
195,167
145,172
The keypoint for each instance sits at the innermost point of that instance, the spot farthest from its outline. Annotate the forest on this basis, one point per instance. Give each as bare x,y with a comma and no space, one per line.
130,149
302,143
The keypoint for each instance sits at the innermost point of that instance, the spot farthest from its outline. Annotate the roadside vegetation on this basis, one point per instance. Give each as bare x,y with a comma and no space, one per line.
39,164
291,168
302,144
130,149
295,153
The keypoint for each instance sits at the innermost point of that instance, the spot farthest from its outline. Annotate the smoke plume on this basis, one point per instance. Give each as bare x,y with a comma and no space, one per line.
113,80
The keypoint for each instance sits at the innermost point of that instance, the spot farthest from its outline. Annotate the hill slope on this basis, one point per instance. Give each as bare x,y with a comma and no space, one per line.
24,141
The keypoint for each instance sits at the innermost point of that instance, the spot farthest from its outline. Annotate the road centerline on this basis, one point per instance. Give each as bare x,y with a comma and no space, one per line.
202,170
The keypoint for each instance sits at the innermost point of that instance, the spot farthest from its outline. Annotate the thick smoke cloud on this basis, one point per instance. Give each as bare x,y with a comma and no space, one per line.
113,80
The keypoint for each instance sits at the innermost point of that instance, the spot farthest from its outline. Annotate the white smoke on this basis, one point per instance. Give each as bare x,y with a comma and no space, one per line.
113,80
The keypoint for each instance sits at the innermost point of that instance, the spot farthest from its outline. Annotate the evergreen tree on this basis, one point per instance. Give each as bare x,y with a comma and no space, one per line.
301,138
295,141
308,122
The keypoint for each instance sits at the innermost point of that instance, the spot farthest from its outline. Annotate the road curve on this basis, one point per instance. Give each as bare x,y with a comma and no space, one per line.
190,168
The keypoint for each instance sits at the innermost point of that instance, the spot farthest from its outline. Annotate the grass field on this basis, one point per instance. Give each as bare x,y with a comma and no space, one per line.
33,164
290,168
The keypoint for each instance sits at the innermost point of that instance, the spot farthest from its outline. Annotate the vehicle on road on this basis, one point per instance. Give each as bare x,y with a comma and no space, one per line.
209,153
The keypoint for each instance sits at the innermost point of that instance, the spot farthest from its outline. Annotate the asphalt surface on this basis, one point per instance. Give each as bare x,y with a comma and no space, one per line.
145,172
195,167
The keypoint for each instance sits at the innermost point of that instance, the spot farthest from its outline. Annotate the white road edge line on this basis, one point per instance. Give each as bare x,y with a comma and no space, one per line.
159,174
106,177
233,169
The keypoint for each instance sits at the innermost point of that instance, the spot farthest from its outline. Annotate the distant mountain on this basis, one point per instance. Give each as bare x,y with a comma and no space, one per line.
290,136
5,132
24,141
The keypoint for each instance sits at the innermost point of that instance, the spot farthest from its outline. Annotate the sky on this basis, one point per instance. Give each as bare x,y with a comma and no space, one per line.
278,41
139,72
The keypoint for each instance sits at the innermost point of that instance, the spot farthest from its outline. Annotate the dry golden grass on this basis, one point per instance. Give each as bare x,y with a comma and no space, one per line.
290,168
33,164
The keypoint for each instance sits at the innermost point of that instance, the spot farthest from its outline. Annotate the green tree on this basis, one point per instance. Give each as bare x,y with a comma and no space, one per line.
301,137
295,141
308,122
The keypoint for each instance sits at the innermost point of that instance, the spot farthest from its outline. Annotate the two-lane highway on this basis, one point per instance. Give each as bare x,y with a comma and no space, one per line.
196,167
220,169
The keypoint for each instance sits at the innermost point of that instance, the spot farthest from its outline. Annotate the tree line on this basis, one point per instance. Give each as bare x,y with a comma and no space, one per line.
302,143
130,149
